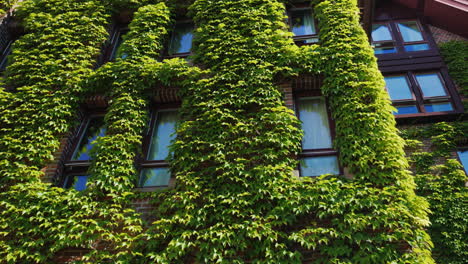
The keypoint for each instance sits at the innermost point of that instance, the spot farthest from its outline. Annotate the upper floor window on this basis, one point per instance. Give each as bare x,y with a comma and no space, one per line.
155,170
111,49
4,56
398,36
181,39
318,156
419,92
78,162
302,23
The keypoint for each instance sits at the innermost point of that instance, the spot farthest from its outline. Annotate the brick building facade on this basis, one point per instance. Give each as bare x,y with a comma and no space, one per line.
406,47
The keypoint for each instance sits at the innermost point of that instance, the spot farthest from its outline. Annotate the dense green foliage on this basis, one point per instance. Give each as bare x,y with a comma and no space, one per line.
455,54
5,5
236,147
443,186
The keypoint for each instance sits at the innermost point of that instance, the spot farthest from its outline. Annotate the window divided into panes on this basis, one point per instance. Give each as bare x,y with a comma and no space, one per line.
318,156
180,44
155,170
78,161
302,23
419,93
398,36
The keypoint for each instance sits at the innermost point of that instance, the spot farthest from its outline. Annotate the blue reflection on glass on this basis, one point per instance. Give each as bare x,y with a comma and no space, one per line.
95,128
381,32
410,31
431,84
182,37
440,107
303,22
79,182
163,134
398,87
402,110
416,47
463,155
316,166
154,177
386,50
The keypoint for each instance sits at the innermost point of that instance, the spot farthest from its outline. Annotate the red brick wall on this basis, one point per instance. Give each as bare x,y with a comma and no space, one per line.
441,36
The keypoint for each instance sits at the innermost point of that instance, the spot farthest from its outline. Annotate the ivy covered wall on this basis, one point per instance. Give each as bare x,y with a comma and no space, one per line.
441,180
236,200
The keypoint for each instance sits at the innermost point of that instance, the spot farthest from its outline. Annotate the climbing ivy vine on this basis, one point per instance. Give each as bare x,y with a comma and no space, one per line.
236,200
441,180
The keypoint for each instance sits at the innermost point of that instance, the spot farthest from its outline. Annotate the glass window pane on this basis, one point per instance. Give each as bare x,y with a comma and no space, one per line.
385,50
416,47
182,37
154,177
316,166
77,182
314,117
95,128
463,155
303,22
440,107
115,49
163,134
4,56
410,31
408,109
398,88
431,85
381,32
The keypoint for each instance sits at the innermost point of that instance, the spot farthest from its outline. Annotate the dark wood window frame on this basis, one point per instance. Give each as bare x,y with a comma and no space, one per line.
142,161
309,153
399,43
419,101
169,41
72,168
299,40
110,49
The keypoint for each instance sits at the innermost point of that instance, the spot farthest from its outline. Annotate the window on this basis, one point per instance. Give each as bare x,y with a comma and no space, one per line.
302,24
181,39
398,36
77,164
463,156
4,56
318,156
154,169
414,93
111,50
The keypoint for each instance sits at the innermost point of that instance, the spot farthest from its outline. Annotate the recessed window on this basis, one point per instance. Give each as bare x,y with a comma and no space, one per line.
77,165
4,56
413,93
463,156
77,182
181,39
94,129
155,170
398,36
111,50
303,26
318,156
